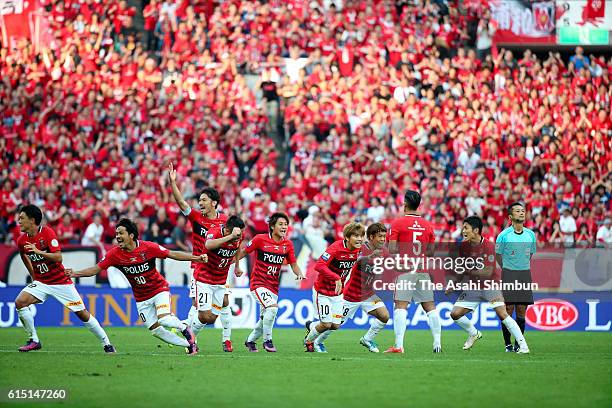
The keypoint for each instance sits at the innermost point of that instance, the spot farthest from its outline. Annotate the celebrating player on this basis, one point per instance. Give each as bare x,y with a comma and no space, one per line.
222,245
359,293
42,257
413,235
272,250
474,245
136,259
514,248
208,217
334,266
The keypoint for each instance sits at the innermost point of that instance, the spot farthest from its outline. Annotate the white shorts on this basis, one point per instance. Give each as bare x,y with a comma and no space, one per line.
192,288
350,308
149,309
209,297
67,295
470,299
329,307
413,288
265,297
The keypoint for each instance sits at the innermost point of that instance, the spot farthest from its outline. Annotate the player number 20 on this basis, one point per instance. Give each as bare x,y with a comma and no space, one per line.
42,268
140,280
272,270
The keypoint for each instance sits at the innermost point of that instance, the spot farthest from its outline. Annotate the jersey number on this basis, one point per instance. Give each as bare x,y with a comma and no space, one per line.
324,309
140,280
205,295
224,262
272,270
42,268
416,249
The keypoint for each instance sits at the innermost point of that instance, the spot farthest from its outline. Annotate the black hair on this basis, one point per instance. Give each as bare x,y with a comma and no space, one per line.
475,222
32,211
274,219
412,200
212,193
234,221
375,229
514,204
129,226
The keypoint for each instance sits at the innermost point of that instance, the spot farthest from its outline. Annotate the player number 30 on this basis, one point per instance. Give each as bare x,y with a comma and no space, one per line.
140,280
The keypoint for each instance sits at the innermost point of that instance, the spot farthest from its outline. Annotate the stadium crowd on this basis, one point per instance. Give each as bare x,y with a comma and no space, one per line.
327,110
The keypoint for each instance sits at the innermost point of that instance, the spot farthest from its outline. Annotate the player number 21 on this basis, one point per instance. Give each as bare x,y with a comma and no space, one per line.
224,262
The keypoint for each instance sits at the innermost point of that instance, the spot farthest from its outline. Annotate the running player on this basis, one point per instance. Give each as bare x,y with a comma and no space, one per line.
474,245
208,217
136,259
42,257
514,248
414,236
359,293
334,266
222,244
272,250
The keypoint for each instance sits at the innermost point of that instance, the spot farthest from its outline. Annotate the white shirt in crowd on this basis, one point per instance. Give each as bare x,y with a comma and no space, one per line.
604,234
567,224
375,213
93,232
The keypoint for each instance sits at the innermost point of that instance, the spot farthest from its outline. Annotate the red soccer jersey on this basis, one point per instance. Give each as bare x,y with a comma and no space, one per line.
359,284
45,271
410,229
482,254
335,263
200,225
214,272
270,256
139,268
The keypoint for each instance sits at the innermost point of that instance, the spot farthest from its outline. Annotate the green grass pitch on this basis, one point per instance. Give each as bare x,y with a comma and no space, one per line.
564,369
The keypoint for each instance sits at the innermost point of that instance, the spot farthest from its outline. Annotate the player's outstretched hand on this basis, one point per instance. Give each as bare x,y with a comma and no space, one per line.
202,258
238,272
300,276
338,287
171,173
69,272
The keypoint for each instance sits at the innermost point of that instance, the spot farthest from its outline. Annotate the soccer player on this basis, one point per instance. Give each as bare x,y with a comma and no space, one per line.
221,246
208,217
136,260
474,245
359,293
272,250
514,248
334,266
42,257
414,236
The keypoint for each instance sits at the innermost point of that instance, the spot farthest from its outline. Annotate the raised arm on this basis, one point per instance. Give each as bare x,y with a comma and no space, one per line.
51,256
178,197
216,243
184,256
94,270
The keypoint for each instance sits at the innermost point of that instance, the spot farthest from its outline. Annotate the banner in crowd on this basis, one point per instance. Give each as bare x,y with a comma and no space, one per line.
584,22
582,311
524,22
24,19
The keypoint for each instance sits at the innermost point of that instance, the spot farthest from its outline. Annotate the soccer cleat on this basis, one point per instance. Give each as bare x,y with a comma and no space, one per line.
251,346
370,345
394,349
523,350
269,346
437,349
471,340
192,349
509,348
319,347
227,346
31,345
516,347
309,346
109,349
189,336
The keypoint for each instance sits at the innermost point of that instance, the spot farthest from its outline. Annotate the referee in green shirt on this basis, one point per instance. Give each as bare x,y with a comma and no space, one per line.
514,248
